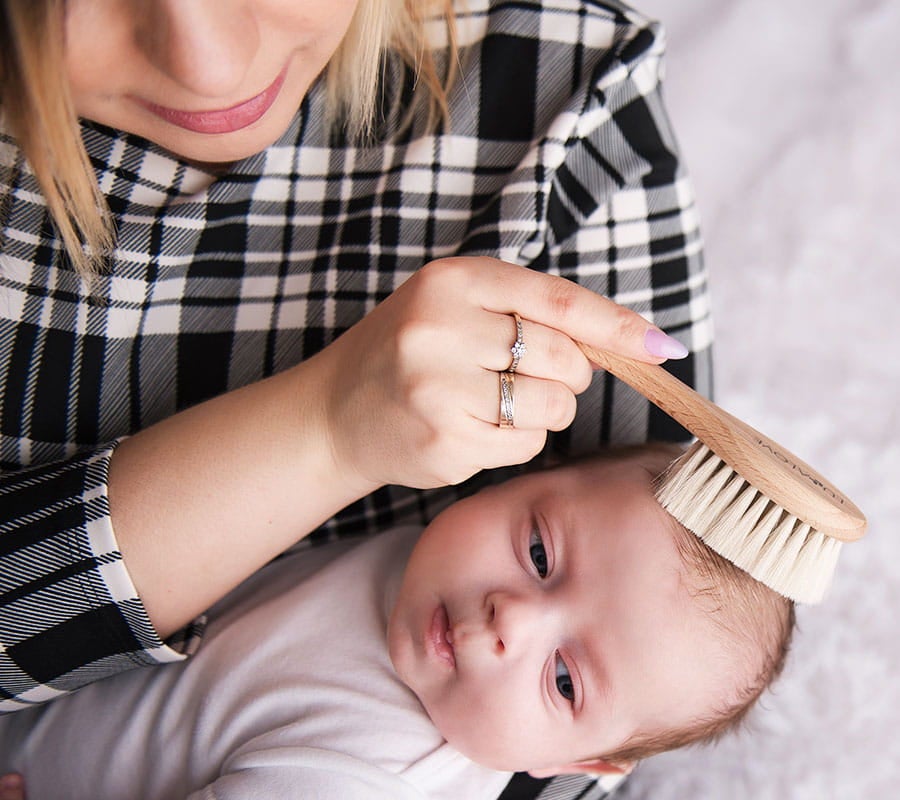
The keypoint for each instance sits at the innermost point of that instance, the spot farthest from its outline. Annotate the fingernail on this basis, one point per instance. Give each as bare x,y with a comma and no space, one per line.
658,344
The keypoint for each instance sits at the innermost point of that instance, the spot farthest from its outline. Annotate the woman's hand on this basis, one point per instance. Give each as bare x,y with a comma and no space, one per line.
415,386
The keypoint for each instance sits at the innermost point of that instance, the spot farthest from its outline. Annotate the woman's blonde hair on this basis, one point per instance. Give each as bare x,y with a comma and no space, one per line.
38,110
39,113
390,26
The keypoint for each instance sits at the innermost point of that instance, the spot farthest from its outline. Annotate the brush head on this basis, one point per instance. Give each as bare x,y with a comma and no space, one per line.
743,525
744,494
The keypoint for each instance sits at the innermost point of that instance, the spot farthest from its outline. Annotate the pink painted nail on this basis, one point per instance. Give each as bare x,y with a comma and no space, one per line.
658,344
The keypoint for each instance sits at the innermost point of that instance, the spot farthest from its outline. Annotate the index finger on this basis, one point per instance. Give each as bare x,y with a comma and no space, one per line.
576,311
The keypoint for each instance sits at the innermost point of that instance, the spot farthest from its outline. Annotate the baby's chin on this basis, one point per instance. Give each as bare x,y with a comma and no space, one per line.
498,762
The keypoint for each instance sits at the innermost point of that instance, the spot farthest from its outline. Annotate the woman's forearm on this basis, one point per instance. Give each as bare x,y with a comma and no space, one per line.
202,499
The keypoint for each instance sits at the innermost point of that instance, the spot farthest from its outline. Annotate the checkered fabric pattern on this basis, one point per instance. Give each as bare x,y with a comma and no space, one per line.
559,156
562,787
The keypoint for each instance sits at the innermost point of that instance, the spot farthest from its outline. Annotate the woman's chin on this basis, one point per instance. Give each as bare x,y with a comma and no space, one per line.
208,149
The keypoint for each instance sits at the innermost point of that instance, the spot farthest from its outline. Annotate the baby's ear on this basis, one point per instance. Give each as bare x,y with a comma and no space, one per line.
590,766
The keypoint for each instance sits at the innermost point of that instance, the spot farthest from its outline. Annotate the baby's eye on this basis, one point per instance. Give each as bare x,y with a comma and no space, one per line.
538,553
564,680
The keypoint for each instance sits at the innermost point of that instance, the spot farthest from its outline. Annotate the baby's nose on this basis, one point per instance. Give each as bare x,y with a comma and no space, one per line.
519,622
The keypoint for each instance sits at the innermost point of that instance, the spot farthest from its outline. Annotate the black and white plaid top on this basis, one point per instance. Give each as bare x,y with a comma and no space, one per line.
559,156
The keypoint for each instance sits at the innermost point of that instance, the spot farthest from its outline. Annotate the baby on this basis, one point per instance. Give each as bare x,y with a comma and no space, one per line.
559,622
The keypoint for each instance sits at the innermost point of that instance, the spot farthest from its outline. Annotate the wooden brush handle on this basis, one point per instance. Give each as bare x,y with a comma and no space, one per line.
763,463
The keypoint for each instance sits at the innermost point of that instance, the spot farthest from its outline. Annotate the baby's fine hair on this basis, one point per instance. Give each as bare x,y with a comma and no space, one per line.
755,620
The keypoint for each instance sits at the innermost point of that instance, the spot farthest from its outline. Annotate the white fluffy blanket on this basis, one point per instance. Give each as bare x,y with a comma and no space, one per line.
788,113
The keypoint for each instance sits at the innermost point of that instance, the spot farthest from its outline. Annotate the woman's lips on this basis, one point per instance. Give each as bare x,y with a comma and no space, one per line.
226,120
437,639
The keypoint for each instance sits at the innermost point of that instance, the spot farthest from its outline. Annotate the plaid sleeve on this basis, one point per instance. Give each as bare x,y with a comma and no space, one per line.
69,612
622,220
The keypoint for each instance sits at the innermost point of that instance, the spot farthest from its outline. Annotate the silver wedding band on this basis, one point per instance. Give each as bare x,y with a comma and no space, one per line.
518,349
507,399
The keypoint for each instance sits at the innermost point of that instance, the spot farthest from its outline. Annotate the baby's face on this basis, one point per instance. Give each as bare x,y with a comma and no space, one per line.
544,621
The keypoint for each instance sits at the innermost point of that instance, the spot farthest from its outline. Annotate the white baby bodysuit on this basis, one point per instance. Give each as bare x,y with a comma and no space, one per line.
292,695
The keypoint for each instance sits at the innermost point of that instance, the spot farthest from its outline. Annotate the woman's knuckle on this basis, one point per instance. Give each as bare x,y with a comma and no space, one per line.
415,339
628,325
432,270
442,272
562,299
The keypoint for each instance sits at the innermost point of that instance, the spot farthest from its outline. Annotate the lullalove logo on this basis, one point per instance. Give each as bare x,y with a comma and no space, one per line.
797,468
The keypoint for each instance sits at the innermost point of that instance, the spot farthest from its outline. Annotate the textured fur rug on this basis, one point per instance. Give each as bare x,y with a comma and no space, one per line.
787,113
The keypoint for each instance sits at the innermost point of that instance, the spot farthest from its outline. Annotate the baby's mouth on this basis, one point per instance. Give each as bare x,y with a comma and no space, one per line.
439,637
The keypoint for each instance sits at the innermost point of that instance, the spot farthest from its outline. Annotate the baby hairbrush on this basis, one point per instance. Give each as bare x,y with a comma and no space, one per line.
746,496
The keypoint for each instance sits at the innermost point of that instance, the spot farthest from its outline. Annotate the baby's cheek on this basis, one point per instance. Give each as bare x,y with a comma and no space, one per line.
480,729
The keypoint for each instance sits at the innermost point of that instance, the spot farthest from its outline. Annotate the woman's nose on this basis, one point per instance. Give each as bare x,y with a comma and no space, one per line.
205,46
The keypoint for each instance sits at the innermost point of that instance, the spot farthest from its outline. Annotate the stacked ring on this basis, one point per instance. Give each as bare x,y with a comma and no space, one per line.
507,399
518,349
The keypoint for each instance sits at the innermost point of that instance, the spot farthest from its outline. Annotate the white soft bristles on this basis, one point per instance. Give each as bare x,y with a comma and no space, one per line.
740,523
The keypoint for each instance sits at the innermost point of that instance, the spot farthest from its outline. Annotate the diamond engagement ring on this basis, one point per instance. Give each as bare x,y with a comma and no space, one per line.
518,349
507,399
